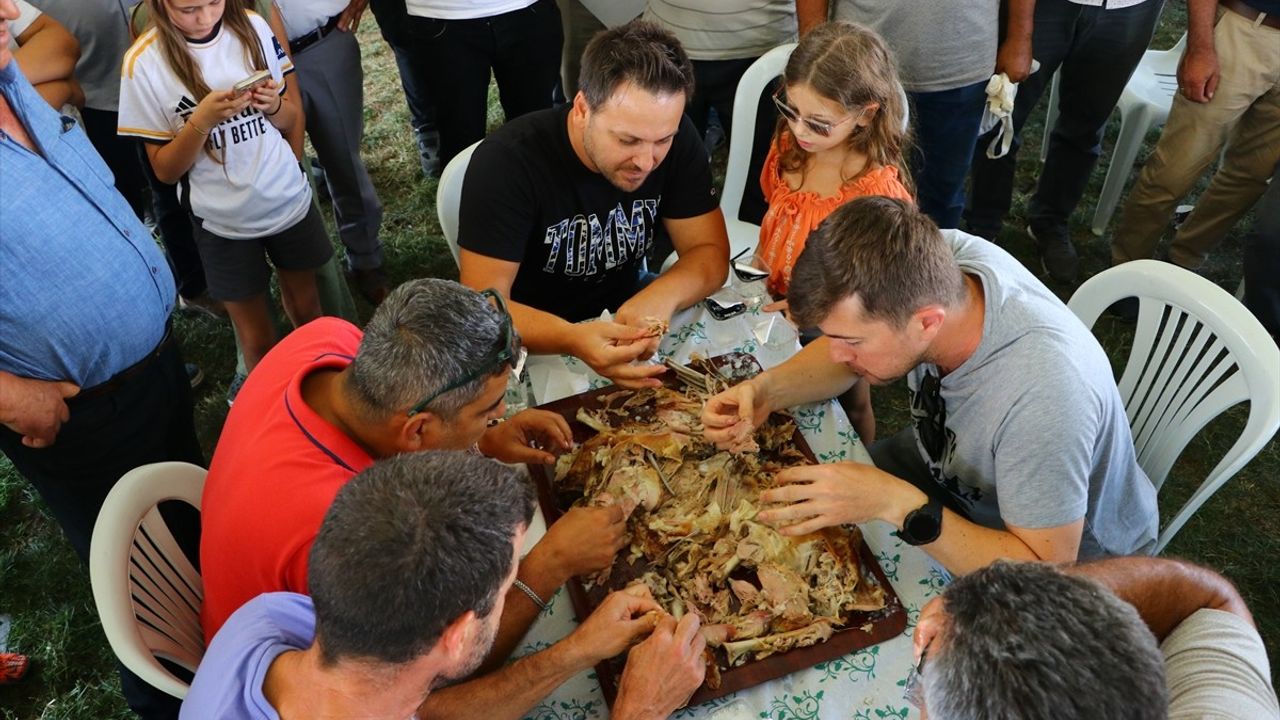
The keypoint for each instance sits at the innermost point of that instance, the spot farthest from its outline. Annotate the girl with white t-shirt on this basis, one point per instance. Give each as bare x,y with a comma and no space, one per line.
227,150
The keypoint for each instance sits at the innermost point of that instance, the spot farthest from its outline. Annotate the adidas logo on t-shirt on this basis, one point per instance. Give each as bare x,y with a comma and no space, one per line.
185,107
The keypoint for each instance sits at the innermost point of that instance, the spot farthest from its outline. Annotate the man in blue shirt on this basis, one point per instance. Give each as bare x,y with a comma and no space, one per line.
409,574
91,383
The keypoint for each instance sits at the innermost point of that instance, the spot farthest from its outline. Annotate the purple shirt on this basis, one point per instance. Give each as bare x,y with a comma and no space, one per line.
228,683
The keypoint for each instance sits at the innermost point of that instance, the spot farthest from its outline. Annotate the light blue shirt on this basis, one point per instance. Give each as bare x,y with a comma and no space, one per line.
228,683
84,290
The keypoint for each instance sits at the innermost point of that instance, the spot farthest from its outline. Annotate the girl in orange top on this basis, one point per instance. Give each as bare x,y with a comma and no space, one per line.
839,137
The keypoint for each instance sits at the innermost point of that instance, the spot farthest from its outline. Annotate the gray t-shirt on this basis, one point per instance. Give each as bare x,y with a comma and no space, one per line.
102,27
1035,432
940,44
1217,668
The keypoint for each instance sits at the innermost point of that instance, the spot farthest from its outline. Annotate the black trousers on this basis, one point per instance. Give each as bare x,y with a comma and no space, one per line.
1096,51
1262,260
147,419
177,232
715,83
455,58
392,20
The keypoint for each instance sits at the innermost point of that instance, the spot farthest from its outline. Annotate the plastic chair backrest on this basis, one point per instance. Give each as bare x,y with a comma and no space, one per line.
1196,352
147,593
449,196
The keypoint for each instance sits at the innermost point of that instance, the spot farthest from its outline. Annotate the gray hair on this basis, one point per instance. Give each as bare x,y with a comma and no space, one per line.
1024,640
408,546
427,334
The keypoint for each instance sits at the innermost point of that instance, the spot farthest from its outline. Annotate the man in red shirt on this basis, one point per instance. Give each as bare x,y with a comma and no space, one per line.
429,372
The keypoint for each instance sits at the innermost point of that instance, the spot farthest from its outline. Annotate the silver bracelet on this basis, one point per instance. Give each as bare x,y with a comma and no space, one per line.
542,606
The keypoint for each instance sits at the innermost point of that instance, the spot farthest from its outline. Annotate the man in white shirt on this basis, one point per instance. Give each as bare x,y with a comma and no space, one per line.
1128,637
460,43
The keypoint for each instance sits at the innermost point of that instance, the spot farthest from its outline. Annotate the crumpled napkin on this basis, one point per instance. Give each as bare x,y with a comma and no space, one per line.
1001,93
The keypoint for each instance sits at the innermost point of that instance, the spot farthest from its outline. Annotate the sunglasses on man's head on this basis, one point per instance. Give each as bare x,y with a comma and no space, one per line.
792,115
508,351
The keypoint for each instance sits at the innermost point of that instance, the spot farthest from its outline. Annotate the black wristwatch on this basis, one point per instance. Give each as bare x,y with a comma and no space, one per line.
923,525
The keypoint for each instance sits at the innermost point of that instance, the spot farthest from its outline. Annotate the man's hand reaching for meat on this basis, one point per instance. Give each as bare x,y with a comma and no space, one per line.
584,540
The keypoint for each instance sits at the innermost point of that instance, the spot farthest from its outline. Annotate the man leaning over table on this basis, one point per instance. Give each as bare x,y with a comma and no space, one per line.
429,372
1019,447
410,570
1132,638
560,207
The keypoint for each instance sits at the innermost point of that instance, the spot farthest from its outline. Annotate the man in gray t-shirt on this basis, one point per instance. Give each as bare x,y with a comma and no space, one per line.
1020,447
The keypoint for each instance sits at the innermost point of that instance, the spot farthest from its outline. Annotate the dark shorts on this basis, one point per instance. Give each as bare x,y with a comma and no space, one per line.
237,269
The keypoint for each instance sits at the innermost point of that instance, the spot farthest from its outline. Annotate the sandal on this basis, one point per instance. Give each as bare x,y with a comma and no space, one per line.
12,667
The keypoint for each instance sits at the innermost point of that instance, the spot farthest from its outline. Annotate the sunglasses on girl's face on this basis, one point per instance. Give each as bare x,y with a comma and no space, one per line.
819,127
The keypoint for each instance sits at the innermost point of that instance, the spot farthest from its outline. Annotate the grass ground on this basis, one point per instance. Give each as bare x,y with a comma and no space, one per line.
46,591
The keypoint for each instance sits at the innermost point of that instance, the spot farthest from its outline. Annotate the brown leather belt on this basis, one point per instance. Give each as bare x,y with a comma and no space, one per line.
129,373
1250,13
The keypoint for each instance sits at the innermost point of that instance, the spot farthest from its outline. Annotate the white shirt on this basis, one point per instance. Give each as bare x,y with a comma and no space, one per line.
463,9
303,16
1110,4
260,190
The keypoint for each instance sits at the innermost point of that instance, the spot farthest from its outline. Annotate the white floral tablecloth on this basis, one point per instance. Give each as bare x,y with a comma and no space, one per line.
864,685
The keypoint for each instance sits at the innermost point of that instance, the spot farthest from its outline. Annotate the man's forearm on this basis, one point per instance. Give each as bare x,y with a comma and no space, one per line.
1021,21
1165,592
541,331
509,692
1201,15
694,276
810,13
519,612
810,375
50,54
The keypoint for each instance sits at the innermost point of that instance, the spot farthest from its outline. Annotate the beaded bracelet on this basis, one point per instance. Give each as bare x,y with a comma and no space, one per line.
542,606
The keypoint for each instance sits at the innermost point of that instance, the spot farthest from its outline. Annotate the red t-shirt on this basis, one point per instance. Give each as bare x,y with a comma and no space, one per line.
276,470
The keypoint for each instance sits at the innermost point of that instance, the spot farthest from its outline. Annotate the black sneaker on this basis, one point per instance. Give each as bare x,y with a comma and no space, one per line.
1057,253
194,374
429,151
1124,310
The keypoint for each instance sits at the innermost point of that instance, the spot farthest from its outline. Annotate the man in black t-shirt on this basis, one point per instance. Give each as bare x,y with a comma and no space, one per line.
559,208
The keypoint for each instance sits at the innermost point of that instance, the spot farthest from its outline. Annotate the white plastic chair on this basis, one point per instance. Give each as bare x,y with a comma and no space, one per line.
1196,353
1143,105
147,592
449,196
744,235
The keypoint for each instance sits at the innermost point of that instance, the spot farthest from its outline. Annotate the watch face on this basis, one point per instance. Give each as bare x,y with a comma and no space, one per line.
921,527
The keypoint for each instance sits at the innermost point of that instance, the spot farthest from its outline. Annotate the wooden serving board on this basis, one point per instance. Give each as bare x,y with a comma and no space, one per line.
864,629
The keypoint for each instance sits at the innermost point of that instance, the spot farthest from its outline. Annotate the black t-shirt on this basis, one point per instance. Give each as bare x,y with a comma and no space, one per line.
580,241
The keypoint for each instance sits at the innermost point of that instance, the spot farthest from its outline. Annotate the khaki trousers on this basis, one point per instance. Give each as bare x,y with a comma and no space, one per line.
1245,115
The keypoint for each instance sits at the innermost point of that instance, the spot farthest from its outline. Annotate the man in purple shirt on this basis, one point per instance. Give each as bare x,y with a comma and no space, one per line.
408,576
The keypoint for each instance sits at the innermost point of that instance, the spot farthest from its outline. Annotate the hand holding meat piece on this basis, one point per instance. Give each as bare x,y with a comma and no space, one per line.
623,618
663,671
610,348
730,419
529,436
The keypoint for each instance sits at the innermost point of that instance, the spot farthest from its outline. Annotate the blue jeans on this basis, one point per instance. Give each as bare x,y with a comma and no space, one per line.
946,131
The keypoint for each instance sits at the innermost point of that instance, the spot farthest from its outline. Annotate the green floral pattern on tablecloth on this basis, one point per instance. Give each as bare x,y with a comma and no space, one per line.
864,685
